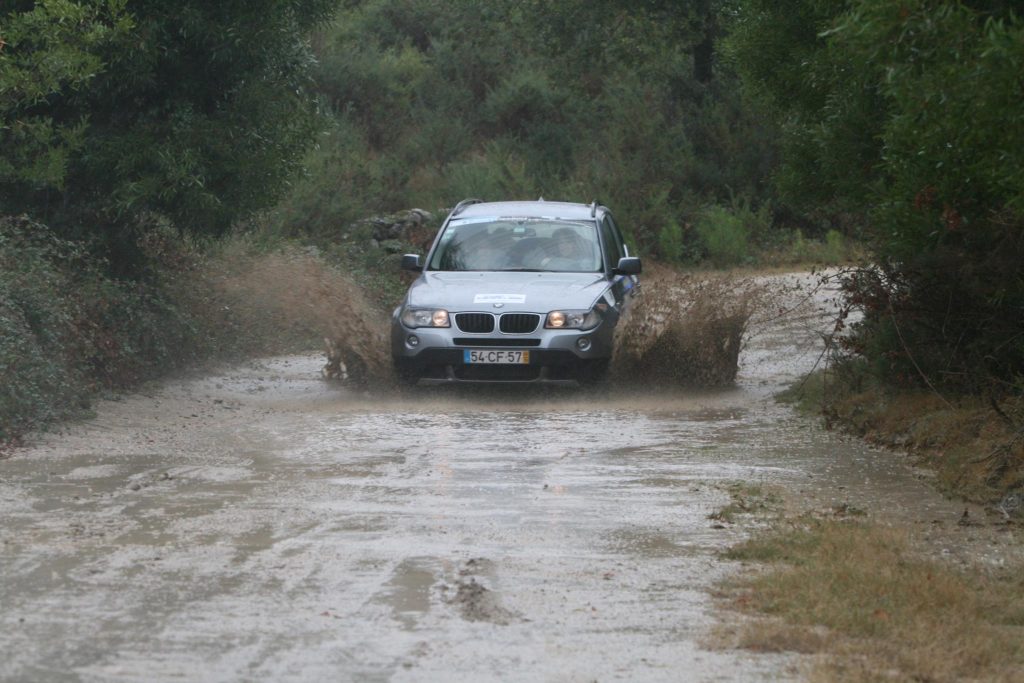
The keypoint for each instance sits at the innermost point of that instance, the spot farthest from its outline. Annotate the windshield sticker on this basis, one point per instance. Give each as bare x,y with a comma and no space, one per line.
499,299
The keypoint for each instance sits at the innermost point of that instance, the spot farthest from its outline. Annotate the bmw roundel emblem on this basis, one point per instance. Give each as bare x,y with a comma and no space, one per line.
499,305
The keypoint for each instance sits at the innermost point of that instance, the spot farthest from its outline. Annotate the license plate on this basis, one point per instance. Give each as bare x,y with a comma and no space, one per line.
495,357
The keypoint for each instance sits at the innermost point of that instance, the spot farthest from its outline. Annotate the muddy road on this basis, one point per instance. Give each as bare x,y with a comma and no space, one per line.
262,524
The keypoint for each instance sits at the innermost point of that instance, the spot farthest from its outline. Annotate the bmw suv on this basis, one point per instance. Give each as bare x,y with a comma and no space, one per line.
515,292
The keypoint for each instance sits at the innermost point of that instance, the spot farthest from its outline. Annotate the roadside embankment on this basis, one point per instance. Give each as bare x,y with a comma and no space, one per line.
69,330
974,446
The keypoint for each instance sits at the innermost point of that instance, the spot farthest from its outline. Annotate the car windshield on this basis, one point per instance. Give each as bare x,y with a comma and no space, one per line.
510,244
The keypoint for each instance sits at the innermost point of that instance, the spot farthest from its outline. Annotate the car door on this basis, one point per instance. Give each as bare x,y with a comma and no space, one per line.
623,286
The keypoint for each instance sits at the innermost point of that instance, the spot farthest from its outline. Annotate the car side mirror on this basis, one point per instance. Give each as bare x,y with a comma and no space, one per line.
629,265
412,262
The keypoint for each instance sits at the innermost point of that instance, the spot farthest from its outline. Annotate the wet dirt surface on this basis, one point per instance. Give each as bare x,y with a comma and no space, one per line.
262,524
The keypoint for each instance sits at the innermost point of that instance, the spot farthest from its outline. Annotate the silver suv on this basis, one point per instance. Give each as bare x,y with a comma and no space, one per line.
515,292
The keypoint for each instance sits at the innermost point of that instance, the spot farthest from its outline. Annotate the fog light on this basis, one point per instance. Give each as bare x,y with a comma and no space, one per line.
583,344
413,341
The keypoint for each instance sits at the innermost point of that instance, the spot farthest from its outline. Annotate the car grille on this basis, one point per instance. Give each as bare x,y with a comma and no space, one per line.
475,322
519,323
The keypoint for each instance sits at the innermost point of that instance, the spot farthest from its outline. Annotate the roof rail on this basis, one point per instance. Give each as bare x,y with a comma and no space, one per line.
463,204
593,209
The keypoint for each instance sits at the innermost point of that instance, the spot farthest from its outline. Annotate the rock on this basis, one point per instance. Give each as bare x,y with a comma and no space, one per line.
396,226
419,216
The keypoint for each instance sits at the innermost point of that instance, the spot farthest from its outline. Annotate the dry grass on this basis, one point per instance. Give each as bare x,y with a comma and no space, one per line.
747,499
685,329
855,593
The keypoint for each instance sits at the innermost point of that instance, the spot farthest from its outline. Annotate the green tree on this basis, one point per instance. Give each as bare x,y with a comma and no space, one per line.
197,111
50,49
575,99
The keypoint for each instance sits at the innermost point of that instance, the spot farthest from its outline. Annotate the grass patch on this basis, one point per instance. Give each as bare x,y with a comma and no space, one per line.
807,395
747,499
793,248
856,593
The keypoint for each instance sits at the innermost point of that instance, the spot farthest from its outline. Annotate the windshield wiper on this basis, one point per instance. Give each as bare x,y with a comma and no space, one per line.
522,270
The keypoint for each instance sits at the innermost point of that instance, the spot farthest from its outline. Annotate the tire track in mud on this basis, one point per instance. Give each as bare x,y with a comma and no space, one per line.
475,601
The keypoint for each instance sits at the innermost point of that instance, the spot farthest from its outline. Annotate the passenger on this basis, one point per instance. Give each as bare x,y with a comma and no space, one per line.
568,252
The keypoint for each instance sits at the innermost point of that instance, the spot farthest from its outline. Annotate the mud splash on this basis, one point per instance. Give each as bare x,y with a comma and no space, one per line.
686,329
296,288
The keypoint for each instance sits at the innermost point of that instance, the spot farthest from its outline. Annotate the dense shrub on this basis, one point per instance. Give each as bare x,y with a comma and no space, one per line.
911,114
69,330
724,236
670,242
192,109
434,102
731,235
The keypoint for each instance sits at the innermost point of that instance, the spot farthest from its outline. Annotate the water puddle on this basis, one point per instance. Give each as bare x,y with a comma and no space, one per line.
408,592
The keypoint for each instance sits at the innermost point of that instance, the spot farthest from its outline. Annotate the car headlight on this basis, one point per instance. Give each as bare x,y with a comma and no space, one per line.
572,320
425,317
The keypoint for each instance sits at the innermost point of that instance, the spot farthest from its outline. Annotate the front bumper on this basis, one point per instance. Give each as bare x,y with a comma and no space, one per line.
557,357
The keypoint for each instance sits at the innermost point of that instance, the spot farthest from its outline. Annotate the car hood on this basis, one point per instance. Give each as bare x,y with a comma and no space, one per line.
514,291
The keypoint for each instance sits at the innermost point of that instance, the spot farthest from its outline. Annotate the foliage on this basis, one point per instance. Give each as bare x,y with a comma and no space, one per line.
68,330
785,62
30,318
670,242
54,48
433,102
913,111
193,110
724,236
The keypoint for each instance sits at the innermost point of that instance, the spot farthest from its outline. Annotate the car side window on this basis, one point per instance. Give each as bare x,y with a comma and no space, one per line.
619,239
612,246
